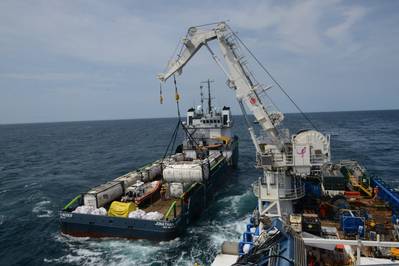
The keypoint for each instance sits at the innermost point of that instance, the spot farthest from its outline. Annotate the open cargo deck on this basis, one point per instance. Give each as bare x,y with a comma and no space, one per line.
353,222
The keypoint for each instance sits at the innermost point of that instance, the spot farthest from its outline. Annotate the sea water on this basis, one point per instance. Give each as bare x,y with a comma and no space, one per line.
43,166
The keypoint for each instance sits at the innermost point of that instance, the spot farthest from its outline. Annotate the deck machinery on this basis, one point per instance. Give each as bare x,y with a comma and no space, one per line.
286,161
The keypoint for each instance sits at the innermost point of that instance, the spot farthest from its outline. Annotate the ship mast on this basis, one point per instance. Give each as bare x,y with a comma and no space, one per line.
202,99
208,83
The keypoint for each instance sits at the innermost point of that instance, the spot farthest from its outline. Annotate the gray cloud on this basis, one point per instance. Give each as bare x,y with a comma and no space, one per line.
318,48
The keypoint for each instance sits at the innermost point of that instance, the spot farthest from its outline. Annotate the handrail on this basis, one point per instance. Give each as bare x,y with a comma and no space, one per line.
220,160
285,194
173,205
72,202
189,189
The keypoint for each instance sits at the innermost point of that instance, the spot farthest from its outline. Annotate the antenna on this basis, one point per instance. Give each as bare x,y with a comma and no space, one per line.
208,82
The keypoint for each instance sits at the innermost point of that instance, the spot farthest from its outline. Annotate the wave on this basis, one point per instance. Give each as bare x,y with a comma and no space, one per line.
41,209
108,251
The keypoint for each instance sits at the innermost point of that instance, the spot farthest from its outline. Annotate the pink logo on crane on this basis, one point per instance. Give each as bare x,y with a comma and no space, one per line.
302,152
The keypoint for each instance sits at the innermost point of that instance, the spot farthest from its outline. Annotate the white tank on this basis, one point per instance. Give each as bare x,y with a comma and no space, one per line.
186,172
176,190
151,172
178,157
103,194
129,179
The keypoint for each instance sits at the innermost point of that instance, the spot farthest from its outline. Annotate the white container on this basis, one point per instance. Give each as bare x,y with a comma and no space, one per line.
101,195
186,172
129,179
151,172
176,190
178,157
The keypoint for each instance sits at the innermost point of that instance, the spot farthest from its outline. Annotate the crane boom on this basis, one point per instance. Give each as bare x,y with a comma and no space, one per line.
284,163
239,78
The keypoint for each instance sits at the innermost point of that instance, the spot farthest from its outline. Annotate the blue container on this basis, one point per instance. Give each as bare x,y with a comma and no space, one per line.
350,224
313,188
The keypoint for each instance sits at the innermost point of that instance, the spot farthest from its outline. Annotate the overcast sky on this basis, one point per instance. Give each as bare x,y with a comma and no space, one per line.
89,60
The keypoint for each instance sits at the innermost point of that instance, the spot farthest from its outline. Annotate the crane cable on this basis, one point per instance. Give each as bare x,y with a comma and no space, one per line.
178,112
275,81
160,93
172,140
177,97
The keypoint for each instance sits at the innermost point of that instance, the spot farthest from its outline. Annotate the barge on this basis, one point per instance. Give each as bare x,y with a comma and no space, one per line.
159,200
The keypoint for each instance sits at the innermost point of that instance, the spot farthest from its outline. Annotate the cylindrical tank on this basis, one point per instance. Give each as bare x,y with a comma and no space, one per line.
175,190
103,194
186,172
178,157
129,179
151,172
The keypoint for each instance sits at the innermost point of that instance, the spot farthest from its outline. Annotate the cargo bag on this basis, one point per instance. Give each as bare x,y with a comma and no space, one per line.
121,209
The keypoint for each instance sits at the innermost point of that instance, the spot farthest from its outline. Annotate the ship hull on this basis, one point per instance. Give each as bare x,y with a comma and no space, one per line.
83,225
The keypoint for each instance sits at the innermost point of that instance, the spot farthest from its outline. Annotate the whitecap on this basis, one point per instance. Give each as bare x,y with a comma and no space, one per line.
108,251
42,210
30,185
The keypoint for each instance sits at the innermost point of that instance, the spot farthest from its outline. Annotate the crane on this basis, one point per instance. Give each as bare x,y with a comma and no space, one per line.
284,163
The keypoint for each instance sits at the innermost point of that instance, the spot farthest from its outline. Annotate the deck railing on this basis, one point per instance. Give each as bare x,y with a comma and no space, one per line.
297,192
172,207
73,201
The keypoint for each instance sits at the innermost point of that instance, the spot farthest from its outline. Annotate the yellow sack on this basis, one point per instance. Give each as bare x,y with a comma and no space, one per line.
121,209
395,252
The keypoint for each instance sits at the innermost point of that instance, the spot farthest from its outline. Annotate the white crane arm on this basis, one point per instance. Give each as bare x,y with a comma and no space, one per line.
192,43
238,78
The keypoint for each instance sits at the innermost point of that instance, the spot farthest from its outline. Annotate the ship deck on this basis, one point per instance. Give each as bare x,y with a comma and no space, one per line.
376,209
163,206
379,220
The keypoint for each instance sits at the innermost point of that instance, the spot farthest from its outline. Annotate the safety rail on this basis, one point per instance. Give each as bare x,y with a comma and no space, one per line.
317,159
284,194
221,159
387,193
172,207
73,201
296,193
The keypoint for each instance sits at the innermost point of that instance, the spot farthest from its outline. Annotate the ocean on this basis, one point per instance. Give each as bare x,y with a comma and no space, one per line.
43,166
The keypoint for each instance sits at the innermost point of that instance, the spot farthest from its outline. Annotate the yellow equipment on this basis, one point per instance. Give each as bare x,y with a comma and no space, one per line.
395,252
121,209
225,139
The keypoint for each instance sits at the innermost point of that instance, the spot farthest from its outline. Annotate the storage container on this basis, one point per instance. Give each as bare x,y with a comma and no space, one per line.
151,172
129,179
350,222
103,194
311,224
186,172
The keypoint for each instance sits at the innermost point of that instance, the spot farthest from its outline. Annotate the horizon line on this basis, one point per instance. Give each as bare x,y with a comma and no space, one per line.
169,117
